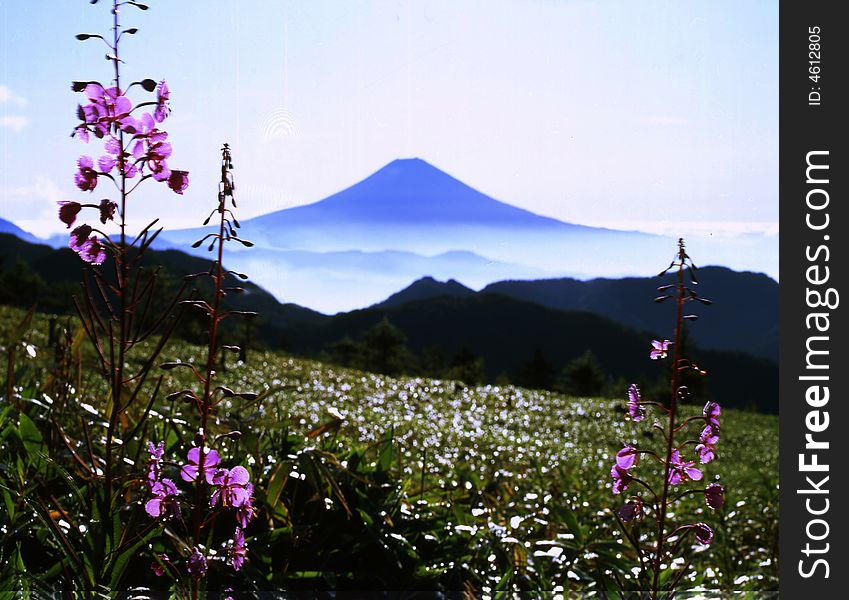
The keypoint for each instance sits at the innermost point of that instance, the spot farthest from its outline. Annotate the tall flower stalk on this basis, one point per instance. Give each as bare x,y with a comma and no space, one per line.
215,489
677,471
120,308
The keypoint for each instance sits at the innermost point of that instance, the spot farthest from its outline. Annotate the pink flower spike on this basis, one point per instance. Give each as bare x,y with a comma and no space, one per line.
163,94
635,410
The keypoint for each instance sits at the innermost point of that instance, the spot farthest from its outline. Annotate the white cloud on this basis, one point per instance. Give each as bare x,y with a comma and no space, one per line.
33,207
8,96
14,122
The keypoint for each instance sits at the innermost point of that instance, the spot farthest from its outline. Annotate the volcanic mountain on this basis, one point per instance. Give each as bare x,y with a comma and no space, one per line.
409,220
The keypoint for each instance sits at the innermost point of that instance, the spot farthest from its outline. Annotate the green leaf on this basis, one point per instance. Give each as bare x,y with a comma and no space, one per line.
119,566
275,484
30,435
571,521
387,451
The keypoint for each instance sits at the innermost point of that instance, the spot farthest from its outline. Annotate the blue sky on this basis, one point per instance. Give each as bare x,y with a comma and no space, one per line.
660,116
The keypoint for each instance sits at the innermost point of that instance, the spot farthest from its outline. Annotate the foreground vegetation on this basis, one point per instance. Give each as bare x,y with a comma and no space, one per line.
365,481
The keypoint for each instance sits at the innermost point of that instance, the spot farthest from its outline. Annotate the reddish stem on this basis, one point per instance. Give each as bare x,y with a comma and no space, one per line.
664,499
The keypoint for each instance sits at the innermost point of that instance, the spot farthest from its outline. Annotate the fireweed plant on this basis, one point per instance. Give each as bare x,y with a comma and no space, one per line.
678,457
122,313
218,492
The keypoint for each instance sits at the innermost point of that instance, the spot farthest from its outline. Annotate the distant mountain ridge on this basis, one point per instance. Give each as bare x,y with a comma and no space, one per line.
12,229
742,318
426,288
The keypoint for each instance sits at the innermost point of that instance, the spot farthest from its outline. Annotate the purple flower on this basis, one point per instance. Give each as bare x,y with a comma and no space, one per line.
627,457
621,479
238,551
86,177
79,236
106,163
635,410
196,565
107,107
163,94
712,411
107,210
158,151
112,145
164,502
129,124
189,472
159,169
93,251
680,470
707,440
82,132
232,487
150,143
154,463
68,211
178,181
659,349
245,512
631,510
715,495
704,534
156,452
158,567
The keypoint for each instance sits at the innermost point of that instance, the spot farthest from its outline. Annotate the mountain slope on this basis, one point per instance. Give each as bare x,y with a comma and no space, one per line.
425,288
12,229
506,333
62,270
743,316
